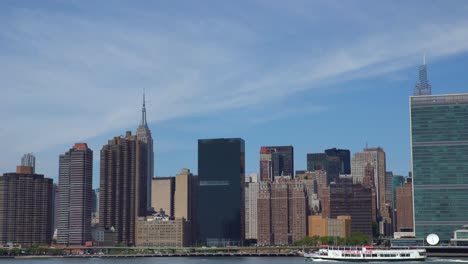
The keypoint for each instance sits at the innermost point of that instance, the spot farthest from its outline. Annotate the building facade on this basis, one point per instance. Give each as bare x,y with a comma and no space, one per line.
339,227
404,221
160,231
75,192
123,192
251,198
276,161
281,212
439,144
346,198
26,209
143,134
163,189
221,168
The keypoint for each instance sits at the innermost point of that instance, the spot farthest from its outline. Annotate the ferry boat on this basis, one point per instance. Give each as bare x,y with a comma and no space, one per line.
366,254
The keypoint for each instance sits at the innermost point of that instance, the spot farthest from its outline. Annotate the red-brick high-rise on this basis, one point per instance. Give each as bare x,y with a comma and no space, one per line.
26,206
123,188
404,200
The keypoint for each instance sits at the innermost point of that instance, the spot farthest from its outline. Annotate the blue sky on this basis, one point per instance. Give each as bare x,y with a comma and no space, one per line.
312,74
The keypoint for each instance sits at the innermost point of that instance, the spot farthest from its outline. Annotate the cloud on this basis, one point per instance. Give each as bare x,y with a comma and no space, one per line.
71,76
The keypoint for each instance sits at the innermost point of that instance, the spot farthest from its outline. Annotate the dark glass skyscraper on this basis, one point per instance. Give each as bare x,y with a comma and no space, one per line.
221,172
316,161
334,161
439,144
276,161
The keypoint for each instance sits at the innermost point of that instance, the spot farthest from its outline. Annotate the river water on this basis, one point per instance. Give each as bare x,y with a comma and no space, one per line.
198,260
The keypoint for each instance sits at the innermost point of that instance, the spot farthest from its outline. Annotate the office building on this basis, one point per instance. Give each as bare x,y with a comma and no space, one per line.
276,161
183,195
334,161
95,209
185,205
439,134
75,195
251,198
338,162
159,230
404,221
376,157
221,168
162,193
389,188
143,134
103,237
331,227
264,232
26,208
281,212
123,192
346,198
297,202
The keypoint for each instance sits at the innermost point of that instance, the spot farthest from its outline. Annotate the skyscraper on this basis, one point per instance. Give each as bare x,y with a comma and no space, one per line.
389,188
343,157
439,144
405,207
221,168
29,160
334,161
423,87
264,232
316,161
75,195
375,157
143,134
123,192
346,198
162,193
26,208
281,212
183,201
276,161
251,197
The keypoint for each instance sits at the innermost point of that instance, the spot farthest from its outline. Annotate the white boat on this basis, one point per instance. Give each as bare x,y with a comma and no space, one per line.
366,254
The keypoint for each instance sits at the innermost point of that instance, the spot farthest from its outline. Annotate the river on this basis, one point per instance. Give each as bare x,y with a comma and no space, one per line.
197,260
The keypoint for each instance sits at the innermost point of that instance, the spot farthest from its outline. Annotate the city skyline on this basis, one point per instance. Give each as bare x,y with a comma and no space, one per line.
352,95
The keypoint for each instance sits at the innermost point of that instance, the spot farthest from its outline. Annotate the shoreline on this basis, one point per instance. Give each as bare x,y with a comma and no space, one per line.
436,255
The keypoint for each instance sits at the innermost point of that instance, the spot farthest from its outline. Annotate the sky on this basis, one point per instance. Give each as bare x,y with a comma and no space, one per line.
312,74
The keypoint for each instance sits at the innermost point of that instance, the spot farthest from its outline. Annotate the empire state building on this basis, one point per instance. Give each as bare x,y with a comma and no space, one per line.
144,135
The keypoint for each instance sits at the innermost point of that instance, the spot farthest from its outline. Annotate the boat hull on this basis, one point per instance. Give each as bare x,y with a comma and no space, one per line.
367,256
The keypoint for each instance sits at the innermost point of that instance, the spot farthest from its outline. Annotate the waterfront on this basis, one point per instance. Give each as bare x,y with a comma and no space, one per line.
198,260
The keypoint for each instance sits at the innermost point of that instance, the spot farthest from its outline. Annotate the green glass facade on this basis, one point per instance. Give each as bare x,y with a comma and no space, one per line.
439,143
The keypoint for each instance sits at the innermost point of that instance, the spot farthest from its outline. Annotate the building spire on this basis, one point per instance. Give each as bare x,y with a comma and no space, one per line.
423,87
143,111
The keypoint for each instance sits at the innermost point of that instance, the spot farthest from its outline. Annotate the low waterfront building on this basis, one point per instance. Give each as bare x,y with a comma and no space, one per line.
460,237
159,230
339,227
103,237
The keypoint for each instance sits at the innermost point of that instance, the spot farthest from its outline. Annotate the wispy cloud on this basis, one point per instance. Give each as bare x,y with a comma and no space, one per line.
69,76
